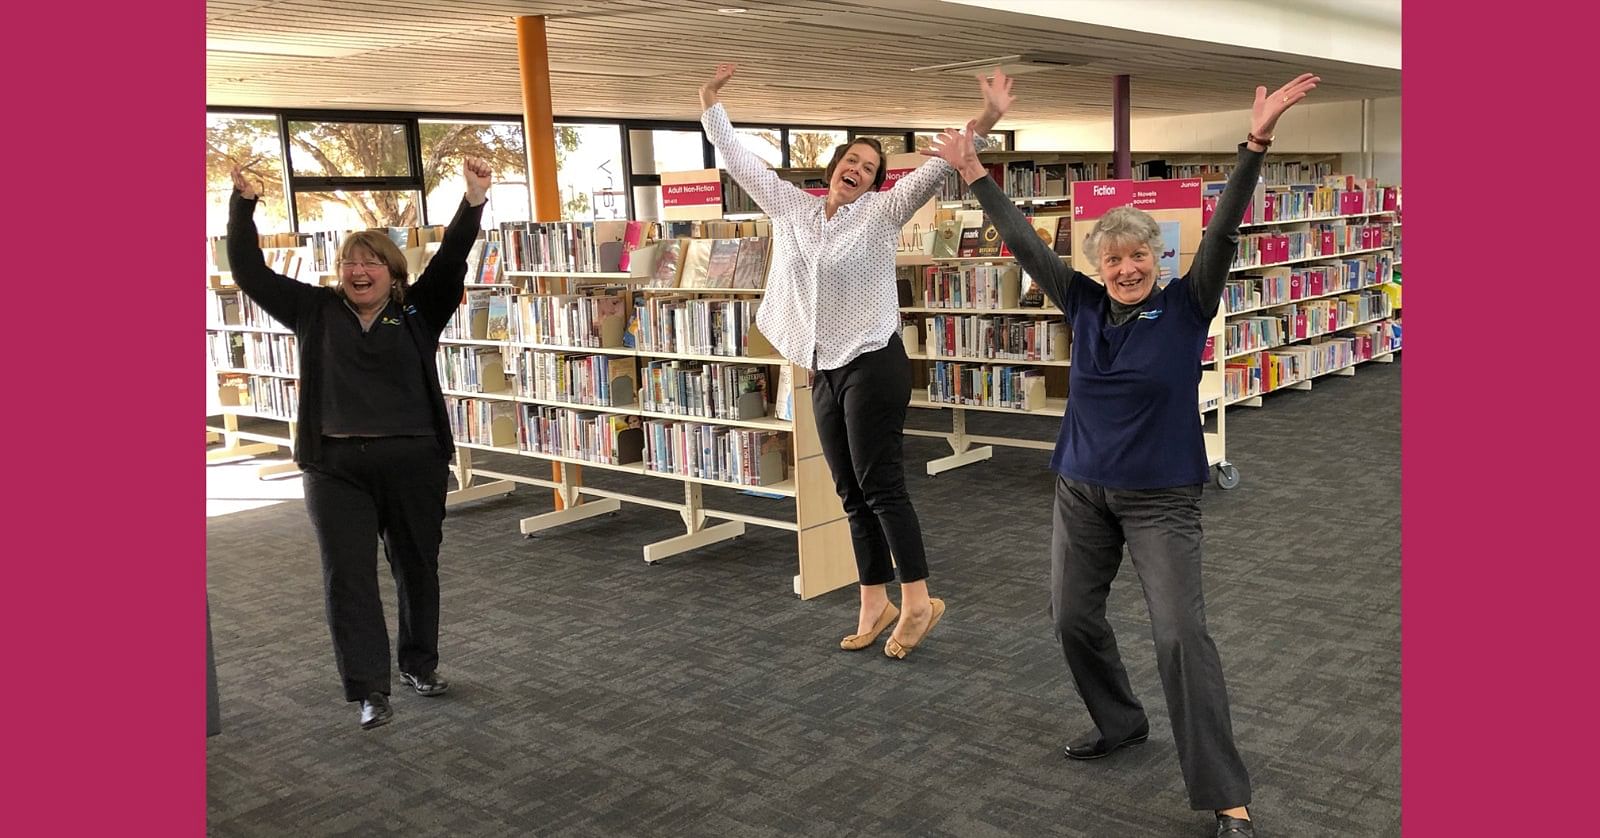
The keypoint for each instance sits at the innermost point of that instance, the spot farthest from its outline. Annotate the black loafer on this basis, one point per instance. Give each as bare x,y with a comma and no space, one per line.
1093,747
430,684
375,711
1231,827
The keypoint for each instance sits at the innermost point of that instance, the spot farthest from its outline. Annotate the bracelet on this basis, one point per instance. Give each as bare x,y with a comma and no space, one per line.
1250,137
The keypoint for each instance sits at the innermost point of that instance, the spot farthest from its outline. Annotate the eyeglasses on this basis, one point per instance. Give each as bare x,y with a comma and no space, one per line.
361,266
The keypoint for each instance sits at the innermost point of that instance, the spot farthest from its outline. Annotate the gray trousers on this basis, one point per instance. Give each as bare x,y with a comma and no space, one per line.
1161,528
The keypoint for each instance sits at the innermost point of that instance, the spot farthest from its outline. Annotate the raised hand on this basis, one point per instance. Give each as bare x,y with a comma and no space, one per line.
955,147
710,90
997,98
247,190
1269,106
477,175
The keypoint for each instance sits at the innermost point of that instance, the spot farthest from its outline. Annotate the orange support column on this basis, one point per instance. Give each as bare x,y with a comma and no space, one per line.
533,59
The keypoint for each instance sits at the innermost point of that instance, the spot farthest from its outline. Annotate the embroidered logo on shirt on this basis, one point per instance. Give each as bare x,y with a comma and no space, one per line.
1150,315
391,321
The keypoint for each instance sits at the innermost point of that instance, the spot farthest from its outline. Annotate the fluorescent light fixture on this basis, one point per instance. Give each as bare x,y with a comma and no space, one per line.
1014,65
287,49
580,69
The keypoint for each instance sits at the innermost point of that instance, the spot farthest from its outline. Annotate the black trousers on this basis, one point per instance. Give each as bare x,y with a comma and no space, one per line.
861,418
364,489
1161,528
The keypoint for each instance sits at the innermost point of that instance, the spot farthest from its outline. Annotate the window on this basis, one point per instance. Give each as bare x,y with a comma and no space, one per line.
446,144
358,209
813,149
998,140
589,172
765,143
660,151
349,149
251,143
892,143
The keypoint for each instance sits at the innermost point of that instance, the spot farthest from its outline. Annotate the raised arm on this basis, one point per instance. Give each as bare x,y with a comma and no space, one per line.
1041,263
912,191
277,294
775,196
1209,272
437,292
997,99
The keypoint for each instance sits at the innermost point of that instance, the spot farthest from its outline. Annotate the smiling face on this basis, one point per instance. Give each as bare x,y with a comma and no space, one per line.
365,279
1128,269
855,172
1125,246
371,270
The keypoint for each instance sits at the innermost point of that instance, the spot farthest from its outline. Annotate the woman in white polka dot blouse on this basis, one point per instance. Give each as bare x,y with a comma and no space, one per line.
831,307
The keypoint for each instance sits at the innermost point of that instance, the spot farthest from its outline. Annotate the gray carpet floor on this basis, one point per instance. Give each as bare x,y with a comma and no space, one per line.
594,695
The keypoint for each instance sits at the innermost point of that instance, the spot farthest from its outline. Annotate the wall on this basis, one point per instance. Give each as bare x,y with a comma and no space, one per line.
1325,128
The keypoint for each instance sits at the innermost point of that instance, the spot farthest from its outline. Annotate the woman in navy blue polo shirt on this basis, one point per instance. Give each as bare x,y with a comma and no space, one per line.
1130,462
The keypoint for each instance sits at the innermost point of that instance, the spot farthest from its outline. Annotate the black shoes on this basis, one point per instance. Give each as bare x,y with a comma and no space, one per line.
1231,827
375,711
429,684
1093,747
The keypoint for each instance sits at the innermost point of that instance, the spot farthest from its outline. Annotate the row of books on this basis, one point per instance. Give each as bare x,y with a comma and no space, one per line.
687,388
696,326
266,395
1028,179
972,234
712,263
1299,321
716,452
595,320
1278,286
710,452
600,380
1005,337
1020,388
969,287
1263,372
253,351
580,246
1333,196
713,390
471,369
236,309
1258,250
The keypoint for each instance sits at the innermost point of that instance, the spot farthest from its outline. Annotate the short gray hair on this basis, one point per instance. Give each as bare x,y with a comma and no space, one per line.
1123,225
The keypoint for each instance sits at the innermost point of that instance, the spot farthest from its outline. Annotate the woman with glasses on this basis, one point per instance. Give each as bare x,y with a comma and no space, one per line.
374,439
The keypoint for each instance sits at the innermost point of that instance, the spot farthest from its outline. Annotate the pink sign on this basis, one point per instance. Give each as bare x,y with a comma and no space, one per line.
1094,198
821,191
691,194
893,176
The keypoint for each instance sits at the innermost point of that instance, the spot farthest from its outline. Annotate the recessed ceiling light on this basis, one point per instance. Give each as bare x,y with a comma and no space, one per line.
732,11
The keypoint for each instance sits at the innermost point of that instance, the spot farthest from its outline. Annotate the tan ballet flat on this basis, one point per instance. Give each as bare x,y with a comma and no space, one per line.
895,649
857,642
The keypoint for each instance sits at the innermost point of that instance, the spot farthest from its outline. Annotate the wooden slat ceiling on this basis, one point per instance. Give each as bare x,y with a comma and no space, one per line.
801,61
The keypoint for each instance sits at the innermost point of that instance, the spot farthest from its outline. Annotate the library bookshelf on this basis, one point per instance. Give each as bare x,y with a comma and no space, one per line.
495,359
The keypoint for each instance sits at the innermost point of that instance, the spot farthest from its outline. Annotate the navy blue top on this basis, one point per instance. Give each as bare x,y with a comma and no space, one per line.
1132,419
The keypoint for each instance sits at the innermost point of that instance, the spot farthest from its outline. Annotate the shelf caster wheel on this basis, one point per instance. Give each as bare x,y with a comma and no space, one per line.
652,564
611,514
1227,476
